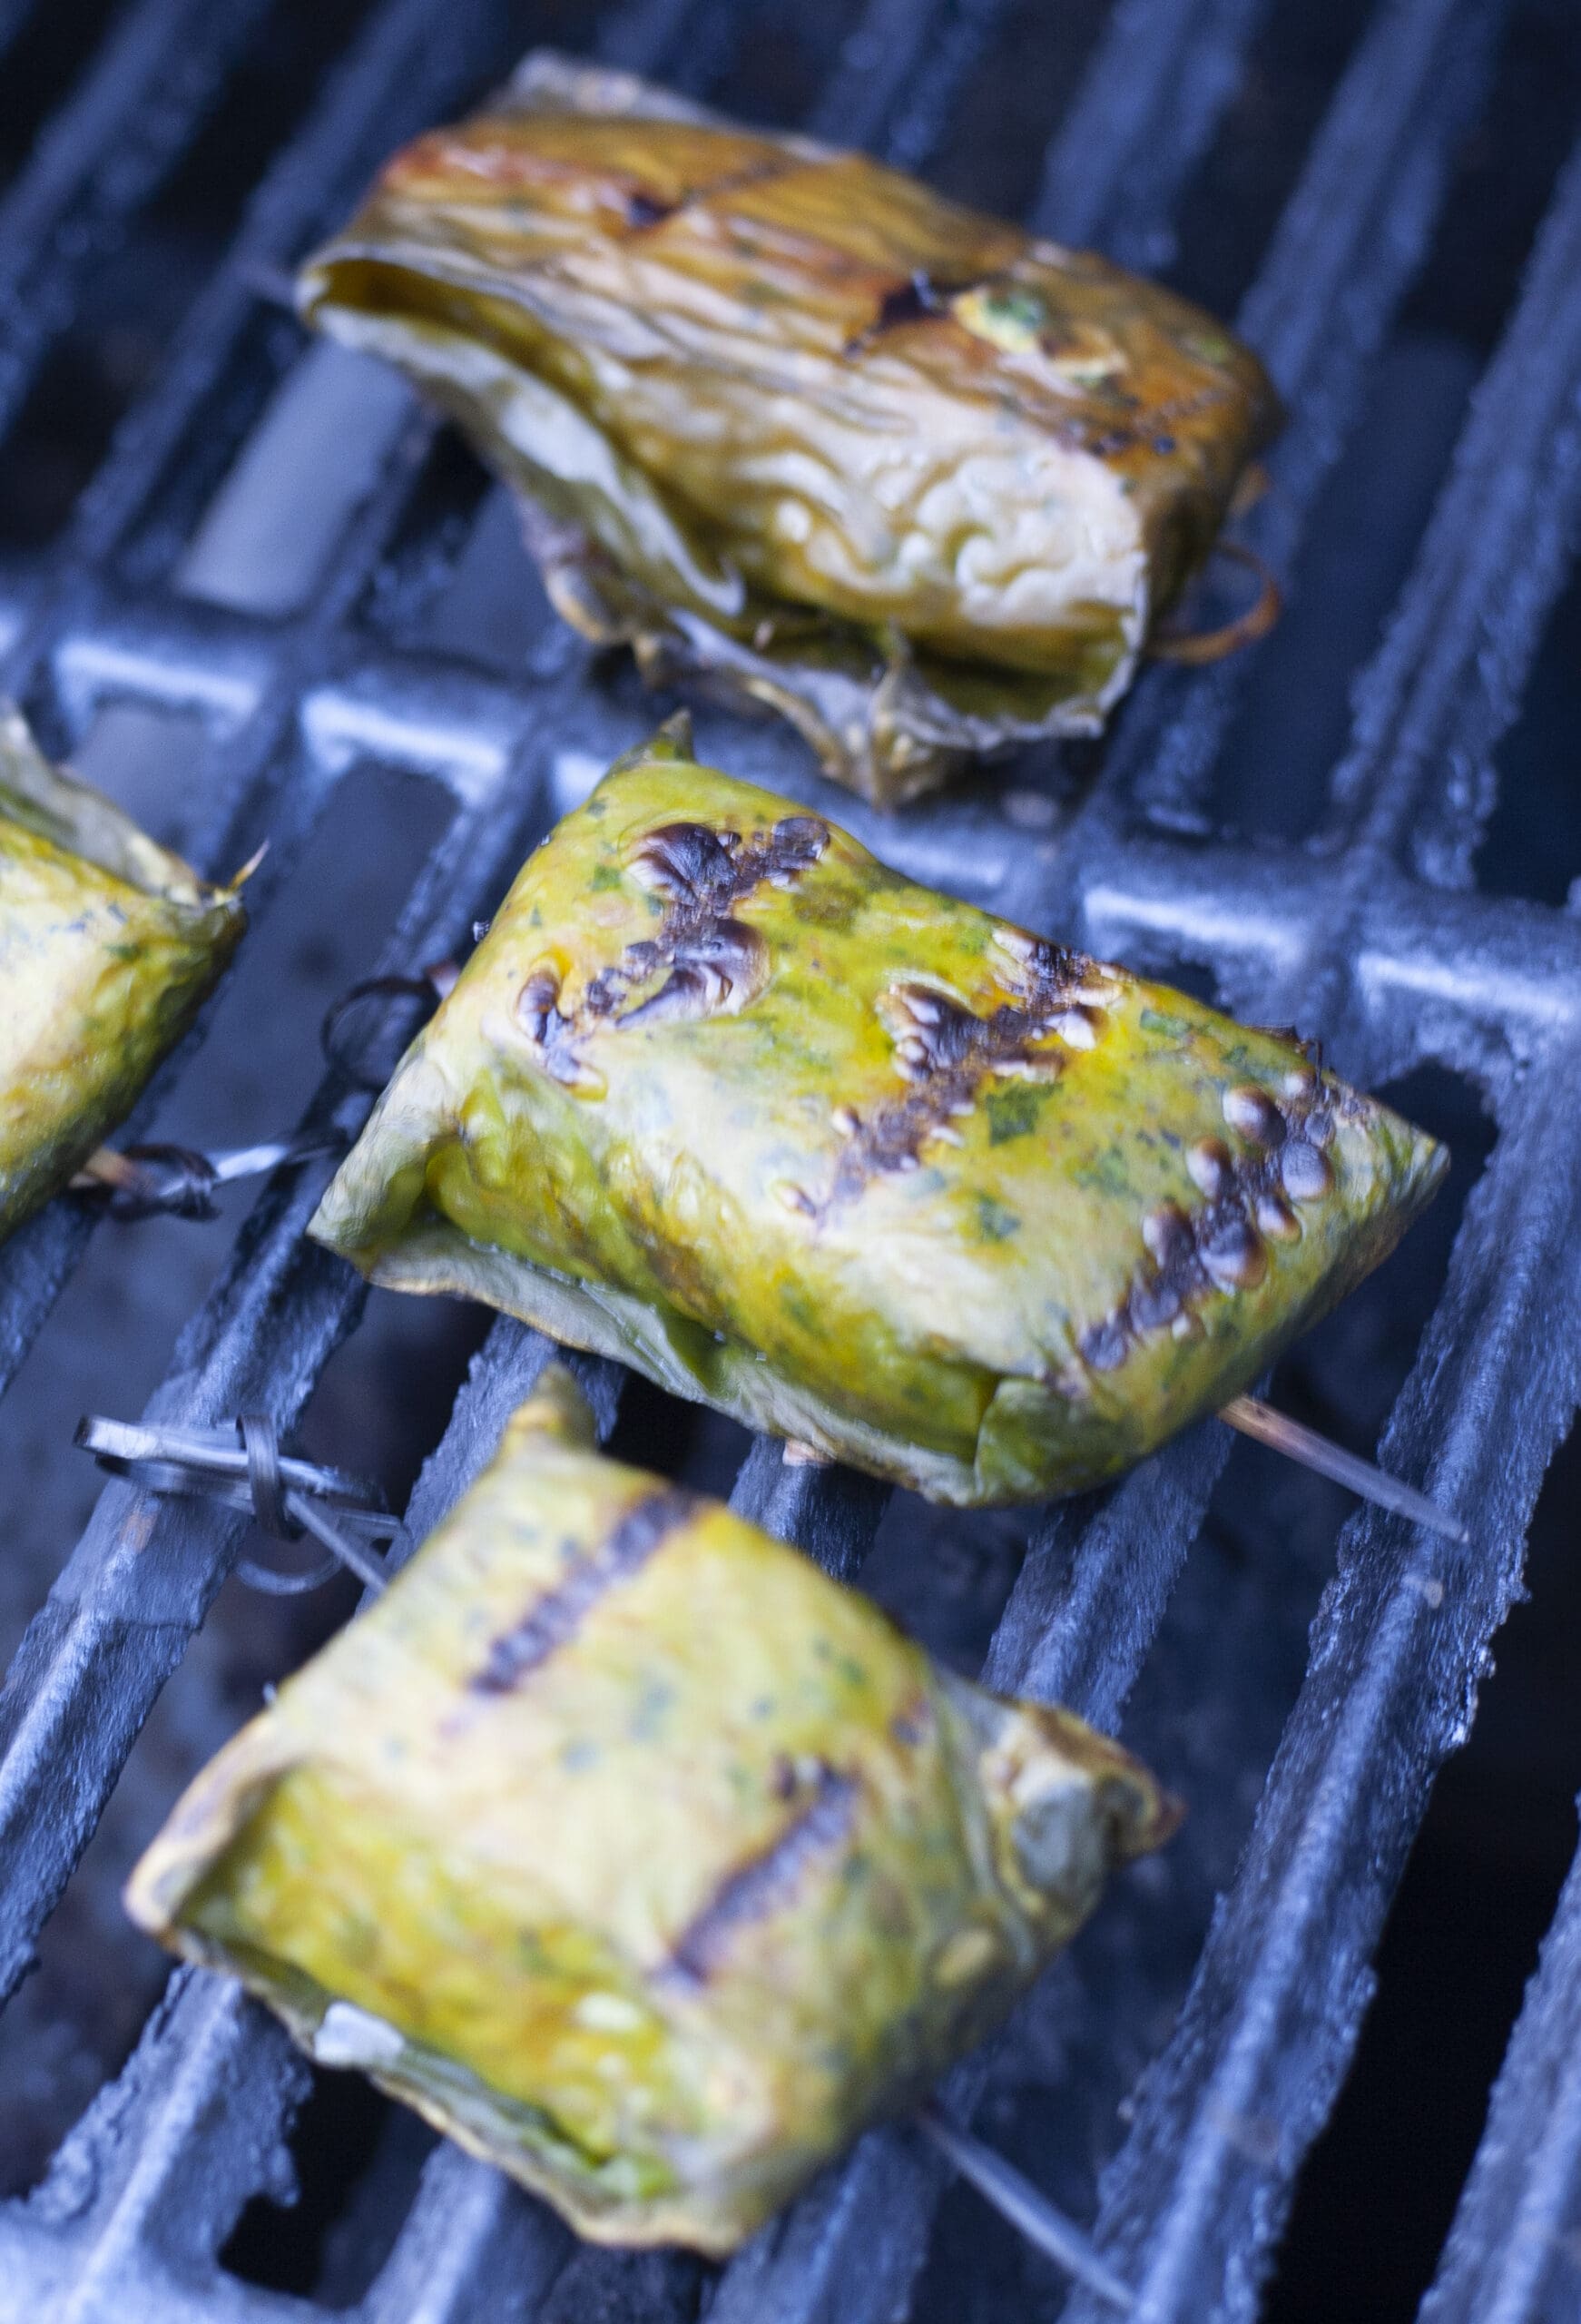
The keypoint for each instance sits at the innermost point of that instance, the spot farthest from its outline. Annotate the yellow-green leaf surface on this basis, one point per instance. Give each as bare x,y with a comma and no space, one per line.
783,417
722,1096
108,943
636,1853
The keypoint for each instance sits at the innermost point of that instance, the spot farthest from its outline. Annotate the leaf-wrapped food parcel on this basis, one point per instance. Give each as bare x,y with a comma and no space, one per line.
722,1096
635,1853
108,944
783,419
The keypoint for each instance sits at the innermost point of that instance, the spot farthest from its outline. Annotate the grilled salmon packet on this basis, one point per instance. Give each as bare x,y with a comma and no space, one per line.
635,1853
108,944
790,423
721,1094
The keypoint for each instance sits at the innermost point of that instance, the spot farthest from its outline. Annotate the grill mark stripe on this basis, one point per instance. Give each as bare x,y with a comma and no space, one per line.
764,1881
557,1616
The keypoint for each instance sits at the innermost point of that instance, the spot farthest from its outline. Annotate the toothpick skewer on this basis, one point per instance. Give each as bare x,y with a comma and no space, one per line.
141,1181
243,1467
1032,2214
1258,1420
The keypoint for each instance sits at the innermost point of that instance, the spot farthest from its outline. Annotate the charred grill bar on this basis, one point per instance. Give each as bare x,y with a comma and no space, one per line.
1372,938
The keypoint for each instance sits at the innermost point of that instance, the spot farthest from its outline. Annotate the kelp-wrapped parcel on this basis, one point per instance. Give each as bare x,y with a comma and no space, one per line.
721,1096
108,944
634,1852
786,420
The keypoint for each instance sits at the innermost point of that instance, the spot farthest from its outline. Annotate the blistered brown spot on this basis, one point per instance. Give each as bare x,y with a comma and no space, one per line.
1224,1247
715,962
1106,1345
1212,1166
550,1033
1167,1233
1154,1301
1077,1028
1276,1219
1253,1113
1304,1172
1232,1253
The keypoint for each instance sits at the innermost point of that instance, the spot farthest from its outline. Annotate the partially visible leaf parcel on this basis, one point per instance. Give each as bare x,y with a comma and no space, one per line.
635,1853
108,944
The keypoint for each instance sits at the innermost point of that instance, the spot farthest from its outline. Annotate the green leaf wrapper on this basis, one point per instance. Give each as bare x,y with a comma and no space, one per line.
634,1852
108,944
721,1096
787,421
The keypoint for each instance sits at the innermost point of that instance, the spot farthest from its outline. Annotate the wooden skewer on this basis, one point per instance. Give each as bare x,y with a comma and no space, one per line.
151,1178
1253,1418
1031,2213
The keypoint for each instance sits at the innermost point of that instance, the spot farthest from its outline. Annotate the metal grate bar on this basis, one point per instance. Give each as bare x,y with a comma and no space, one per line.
155,2176
402,66
1513,2256
14,18
1156,93
1398,1643
1076,1629
118,1619
1345,250
1265,2034
399,58
99,160
876,58
1194,2200
1447,680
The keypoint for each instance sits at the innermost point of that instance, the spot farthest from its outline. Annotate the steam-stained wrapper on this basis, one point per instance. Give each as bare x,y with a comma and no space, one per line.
787,421
723,1097
634,1852
108,943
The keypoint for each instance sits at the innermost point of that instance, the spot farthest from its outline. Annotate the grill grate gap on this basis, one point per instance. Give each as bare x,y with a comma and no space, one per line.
1293,67
358,2158
1381,2187
993,151
42,59
1342,1377
1364,530
1532,846
1505,170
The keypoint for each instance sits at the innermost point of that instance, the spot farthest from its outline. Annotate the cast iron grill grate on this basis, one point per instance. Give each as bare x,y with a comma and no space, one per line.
1368,933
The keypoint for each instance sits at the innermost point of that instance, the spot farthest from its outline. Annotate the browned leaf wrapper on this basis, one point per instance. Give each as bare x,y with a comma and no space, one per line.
108,943
790,423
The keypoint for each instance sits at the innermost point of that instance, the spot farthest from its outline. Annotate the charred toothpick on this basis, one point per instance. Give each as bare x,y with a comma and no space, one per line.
1031,2213
145,1181
1258,1420
244,1468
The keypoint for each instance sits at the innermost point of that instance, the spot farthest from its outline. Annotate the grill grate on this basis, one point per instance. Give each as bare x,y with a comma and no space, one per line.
1371,935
